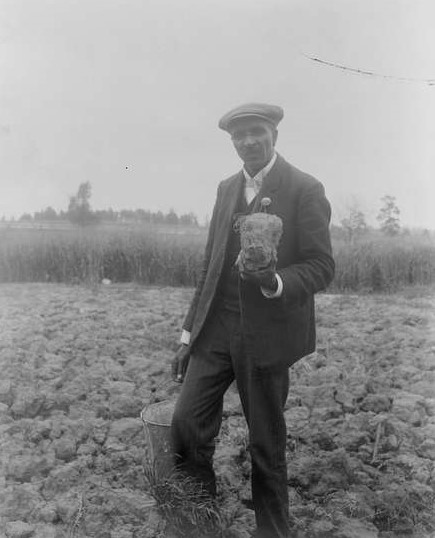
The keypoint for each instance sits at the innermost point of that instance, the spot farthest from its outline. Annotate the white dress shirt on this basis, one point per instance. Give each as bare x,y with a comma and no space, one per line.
253,184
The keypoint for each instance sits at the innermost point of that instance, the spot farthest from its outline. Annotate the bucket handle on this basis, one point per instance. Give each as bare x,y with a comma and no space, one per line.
152,396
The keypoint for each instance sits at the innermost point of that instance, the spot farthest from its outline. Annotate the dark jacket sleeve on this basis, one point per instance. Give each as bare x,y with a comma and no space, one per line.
190,317
314,268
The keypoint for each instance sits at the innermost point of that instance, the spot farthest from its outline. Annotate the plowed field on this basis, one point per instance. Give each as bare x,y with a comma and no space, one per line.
79,363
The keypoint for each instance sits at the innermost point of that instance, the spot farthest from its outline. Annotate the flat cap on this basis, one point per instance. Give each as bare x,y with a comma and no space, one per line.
271,113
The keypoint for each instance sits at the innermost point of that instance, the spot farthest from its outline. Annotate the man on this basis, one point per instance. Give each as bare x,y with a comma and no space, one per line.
252,326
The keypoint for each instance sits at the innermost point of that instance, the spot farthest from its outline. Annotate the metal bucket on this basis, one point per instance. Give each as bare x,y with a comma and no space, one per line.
156,418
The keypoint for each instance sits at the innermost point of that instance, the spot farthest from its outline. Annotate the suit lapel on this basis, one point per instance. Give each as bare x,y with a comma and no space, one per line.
229,202
271,184
227,206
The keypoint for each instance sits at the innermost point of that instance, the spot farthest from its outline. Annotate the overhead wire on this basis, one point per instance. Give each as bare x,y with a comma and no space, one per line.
428,81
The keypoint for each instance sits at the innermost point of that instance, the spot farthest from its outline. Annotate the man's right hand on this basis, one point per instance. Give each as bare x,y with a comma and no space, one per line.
180,363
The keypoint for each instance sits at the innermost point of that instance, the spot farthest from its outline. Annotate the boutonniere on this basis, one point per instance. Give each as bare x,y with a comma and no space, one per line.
264,204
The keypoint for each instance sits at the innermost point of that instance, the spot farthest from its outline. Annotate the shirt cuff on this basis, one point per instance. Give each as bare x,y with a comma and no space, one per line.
274,294
185,338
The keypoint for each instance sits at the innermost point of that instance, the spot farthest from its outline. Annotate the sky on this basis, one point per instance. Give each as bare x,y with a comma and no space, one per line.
127,94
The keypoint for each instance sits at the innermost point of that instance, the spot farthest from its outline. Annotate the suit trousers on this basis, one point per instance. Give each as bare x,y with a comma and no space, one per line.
219,357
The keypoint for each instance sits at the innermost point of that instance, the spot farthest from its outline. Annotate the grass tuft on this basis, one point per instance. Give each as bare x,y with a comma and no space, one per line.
187,509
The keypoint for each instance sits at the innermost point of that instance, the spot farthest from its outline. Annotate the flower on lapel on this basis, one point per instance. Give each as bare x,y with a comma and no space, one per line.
265,203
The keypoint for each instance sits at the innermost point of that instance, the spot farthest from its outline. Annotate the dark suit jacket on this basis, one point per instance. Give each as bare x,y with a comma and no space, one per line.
277,331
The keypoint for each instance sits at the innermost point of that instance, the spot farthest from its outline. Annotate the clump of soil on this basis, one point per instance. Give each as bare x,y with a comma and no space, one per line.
260,234
79,364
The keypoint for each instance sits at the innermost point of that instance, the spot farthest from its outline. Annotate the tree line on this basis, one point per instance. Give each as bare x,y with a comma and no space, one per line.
81,213
354,224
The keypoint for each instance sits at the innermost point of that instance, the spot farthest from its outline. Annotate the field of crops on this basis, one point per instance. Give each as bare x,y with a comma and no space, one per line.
118,253
173,257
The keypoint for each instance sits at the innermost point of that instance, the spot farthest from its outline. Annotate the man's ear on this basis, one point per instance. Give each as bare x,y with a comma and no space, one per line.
275,136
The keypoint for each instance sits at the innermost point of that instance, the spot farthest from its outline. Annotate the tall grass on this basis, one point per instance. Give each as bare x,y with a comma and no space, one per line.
90,255
149,257
382,264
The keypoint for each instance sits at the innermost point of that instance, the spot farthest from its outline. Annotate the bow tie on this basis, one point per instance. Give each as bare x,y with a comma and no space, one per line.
254,184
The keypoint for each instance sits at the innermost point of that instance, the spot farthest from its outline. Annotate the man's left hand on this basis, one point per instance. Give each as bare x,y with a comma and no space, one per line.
264,278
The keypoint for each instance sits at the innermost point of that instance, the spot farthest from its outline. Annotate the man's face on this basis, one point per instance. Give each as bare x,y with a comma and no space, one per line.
254,140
